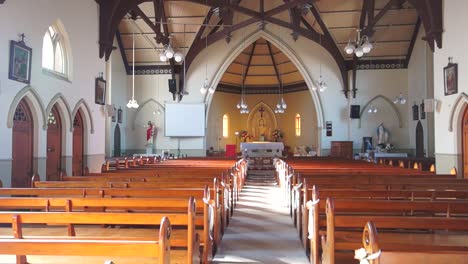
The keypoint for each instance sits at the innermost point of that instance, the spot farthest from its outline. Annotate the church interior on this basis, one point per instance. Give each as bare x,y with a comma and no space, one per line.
233,131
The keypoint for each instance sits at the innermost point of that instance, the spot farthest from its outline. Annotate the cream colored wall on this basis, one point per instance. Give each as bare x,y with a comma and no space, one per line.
80,20
448,143
298,102
372,83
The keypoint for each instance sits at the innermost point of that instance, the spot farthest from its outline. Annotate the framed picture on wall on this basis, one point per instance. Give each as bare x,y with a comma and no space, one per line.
20,62
451,78
119,115
100,91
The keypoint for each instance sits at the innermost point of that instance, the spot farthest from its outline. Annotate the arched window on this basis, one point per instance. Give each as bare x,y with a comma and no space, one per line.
54,56
225,126
298,125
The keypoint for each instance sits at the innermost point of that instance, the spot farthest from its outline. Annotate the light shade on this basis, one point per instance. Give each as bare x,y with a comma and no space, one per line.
132,103
349,49
178,57
162,57
211,90
169,52
203,90
367,47
359,52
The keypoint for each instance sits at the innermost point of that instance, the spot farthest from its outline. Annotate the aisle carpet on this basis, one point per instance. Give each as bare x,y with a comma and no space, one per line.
261,230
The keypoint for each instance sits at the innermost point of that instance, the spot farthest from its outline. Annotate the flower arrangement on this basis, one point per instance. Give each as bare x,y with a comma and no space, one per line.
244,135
363,257
277,135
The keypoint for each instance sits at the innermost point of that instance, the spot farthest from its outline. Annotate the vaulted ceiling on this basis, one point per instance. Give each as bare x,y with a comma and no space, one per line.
261,68
392,26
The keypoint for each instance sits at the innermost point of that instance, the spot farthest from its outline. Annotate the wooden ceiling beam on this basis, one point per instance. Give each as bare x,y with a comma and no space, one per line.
248,63
430,12
2,1
274,64
160,37
369,29
413,41
329,44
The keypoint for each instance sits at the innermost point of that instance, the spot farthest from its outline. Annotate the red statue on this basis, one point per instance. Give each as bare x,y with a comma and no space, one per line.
149,131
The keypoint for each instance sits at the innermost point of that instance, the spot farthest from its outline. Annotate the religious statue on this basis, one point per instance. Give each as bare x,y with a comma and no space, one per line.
150,133
382,135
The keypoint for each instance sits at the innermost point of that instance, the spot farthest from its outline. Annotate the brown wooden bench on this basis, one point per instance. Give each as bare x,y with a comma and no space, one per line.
386,214
401,252
157,246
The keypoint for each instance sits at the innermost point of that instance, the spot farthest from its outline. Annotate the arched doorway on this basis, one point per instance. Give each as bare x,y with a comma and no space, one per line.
54,145
22,163
78,140
117,149
465,142
419,140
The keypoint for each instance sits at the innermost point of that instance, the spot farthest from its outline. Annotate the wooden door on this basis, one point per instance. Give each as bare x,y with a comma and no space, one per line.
54,145
465,143
78,133
22,163
117,149
419,140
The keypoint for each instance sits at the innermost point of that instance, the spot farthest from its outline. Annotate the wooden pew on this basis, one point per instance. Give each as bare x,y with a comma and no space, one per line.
209,225
154,247
185,237
402,252
388,215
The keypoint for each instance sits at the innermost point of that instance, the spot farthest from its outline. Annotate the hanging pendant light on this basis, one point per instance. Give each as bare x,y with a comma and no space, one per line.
360,46
322,86
132,103
205,88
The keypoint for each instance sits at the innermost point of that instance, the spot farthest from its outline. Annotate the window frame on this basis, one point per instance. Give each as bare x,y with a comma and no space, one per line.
225,126
58,40
298,125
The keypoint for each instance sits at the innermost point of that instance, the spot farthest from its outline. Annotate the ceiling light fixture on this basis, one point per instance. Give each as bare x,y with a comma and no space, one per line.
205,88
322,86
360,46
132,103
168,53
242,105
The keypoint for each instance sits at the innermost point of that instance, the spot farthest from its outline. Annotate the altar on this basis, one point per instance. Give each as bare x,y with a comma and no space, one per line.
262,149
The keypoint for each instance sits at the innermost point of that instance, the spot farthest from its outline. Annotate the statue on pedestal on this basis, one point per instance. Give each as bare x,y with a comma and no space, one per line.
150,132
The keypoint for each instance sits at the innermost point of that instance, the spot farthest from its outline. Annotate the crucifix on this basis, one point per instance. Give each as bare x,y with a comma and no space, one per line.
261,111
22,36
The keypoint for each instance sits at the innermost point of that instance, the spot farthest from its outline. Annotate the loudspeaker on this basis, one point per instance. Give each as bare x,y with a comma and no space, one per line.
355,111
172,88
172,85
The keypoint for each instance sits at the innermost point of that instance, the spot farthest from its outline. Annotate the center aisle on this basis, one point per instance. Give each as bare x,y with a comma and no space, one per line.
261,230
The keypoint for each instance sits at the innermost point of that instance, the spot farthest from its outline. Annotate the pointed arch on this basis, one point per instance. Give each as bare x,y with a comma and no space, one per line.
456,114
56,43
151,100
36,104
64,108
81,104
267,109
290,53
390,103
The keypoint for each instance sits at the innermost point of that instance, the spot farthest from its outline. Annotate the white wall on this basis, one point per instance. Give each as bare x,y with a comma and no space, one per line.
372,83
455,41
80,19
119,96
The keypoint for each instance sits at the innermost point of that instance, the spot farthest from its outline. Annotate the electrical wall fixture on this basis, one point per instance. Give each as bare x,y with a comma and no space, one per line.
401,99
372,109
360,46
132,103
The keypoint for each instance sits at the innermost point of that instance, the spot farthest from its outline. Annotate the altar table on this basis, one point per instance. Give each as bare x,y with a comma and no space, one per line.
262,149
